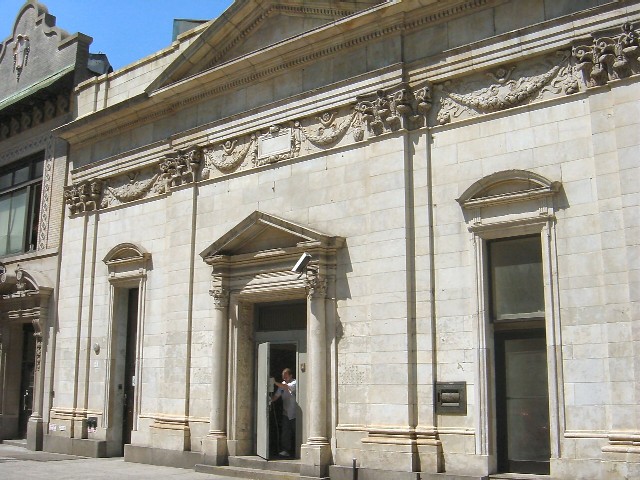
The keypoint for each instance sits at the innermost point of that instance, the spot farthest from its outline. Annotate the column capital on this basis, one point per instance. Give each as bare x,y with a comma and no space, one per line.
316,285
220,296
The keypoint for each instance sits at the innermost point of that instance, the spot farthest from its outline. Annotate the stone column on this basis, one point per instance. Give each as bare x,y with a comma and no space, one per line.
214,445
35,426
316,453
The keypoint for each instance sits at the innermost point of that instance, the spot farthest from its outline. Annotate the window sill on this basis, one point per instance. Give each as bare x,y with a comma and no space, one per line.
32,255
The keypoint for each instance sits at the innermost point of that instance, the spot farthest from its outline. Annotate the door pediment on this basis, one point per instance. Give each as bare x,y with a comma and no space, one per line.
261,232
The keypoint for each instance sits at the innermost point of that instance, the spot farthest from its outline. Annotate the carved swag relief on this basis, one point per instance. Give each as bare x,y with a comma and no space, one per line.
510,87
376,114
371,115
604,59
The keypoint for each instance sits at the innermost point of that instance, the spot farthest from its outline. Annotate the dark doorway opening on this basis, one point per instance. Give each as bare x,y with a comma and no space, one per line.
27,378
282,356
522,402
130,365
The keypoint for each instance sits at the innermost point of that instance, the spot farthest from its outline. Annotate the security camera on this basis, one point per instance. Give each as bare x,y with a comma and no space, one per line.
302,263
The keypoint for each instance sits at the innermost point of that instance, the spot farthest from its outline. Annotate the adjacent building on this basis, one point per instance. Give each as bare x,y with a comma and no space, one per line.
428,210
40,64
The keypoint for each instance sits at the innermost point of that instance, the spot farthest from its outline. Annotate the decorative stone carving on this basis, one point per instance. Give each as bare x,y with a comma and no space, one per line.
180,168
14,126
424,99
84,196
608,58
278,144
47,187
390,111
383,112
226,158
20,54
62,104
20,283
38,351
220,296
467,99
34,115
315,283
37,115
49,110
133,188
330,131
25,121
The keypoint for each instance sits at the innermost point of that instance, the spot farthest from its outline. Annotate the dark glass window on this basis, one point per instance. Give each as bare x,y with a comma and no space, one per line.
515,268
20,188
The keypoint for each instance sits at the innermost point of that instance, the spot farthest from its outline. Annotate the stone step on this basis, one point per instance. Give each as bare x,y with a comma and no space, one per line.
247,473
16,442
517,476
258,463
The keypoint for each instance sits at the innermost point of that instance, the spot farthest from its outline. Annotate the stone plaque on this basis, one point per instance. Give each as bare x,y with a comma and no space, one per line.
275,142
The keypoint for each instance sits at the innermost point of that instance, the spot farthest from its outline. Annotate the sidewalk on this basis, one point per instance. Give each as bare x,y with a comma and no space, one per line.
17,463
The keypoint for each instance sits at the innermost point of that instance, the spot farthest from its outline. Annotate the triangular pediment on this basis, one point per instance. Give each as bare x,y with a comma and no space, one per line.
263,232
252,25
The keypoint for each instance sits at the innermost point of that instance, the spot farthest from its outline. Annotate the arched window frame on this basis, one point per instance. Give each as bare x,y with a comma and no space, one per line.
506,204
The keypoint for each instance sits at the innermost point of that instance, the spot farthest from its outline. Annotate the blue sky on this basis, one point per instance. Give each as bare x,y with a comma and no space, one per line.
126,30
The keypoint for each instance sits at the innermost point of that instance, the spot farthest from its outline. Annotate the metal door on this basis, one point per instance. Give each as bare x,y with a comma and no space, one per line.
263,399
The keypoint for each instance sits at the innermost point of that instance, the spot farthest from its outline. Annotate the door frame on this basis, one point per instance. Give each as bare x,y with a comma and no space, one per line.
127,264
299,339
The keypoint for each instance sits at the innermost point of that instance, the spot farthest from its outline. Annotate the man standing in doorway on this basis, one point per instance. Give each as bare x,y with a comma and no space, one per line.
287,391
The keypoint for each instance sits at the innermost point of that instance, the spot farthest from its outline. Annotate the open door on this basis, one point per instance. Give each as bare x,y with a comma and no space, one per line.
263,399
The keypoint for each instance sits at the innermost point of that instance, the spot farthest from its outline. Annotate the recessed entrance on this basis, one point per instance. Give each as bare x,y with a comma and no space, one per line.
521,369
280,343
27,378
522,402
124,381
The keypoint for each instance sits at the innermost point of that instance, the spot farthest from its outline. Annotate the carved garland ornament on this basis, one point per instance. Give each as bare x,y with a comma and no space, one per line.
381,112
375,114
557,77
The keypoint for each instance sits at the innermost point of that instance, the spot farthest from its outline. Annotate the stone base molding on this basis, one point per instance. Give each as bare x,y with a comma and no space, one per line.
171,433
214,449
315,459
624,442
158,456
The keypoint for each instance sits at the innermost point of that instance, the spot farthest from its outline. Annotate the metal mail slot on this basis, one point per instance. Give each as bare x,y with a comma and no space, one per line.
451,398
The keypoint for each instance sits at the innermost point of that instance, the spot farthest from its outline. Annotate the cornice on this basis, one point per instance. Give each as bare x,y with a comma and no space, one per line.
355,113
384,21
377,22
545,37
334,97
301,10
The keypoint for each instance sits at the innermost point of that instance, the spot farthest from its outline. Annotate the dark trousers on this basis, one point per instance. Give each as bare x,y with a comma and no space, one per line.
288,439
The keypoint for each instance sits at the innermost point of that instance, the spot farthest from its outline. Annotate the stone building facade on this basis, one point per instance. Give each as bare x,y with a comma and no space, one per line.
40,64
457,183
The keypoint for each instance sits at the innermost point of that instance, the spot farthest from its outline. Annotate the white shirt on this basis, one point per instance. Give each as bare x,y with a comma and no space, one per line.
289,405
